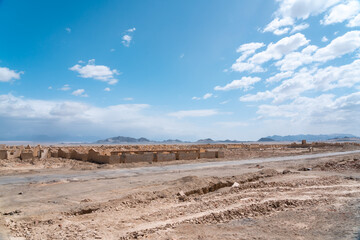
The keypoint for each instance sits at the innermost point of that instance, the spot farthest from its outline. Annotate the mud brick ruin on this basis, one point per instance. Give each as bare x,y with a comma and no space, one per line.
114,154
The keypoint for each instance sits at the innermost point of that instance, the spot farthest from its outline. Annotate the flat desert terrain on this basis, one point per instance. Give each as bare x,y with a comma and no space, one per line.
287,193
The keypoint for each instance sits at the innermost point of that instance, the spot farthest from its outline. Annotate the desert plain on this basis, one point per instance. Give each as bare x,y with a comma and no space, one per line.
216,191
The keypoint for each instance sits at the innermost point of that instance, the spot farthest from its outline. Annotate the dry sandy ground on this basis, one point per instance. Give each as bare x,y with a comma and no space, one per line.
274,200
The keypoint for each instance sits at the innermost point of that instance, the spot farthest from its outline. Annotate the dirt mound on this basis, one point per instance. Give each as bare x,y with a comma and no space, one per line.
253,210
346,164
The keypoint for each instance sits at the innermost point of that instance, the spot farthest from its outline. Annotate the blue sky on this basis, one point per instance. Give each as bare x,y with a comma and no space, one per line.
179,69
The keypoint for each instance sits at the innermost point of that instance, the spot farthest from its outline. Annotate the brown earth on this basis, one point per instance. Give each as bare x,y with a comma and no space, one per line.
303,199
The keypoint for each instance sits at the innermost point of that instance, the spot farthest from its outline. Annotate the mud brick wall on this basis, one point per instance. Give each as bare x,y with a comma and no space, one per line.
27,155
3,154
131,158
92,156
220,154
64,153
102,159
187,155
208,154
163,157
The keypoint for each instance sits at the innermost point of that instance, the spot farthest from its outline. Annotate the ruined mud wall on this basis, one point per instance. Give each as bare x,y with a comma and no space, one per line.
113,154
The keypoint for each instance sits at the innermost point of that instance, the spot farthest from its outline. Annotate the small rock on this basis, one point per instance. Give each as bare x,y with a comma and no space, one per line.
305,169
286,171
12,213
235,185
181,194
20,193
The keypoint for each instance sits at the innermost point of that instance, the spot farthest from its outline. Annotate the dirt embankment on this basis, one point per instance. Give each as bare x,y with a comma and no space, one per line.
322,202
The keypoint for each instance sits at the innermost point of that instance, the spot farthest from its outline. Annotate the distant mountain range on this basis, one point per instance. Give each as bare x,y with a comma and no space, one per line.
309,137
290,138
121,139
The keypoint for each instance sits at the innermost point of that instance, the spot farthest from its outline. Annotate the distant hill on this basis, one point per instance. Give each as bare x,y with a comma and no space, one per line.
266,139
309,137
207,140
277,138
121,139
345,139
229,141
172,141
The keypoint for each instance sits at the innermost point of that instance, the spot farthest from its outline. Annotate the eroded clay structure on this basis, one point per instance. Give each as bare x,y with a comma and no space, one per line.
113,154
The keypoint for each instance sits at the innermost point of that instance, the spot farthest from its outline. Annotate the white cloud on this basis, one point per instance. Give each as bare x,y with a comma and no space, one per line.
325,111
292,10
324,39
126,39
335,77
98,72
300,27
182,55
302,9
112,50
355,22
79,92
248,48
207,95
244,83
50,87
68,30
299,108
278,26
288,89
7,75
66,87
194,113
342,12
279,49
107,89
224,102
323,79
273,51
279,76
245,66
53,118
296,59
128,99
347,43
257,97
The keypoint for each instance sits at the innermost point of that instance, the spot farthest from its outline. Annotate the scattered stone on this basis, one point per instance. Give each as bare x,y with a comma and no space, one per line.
12,213
286,171
182,196
235,185
305,169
